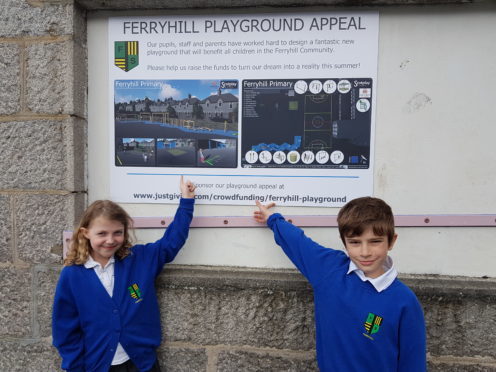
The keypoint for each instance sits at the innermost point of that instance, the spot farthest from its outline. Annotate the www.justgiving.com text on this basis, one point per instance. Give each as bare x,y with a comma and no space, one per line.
251,197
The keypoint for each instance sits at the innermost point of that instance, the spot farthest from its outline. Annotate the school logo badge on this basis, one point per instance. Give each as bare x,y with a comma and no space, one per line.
126,54
135,292
372,325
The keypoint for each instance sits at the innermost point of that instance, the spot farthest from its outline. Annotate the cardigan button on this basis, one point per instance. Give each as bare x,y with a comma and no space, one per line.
115,311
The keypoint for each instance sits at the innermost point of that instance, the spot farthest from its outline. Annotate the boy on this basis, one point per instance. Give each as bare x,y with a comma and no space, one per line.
365,318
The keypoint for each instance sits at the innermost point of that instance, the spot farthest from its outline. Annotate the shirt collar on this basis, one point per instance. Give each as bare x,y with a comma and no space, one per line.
91,263
381,282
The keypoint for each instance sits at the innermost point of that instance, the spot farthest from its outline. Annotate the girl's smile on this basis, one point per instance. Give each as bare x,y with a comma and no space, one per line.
106,237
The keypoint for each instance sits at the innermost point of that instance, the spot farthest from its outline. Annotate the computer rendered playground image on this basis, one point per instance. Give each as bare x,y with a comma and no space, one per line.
306,123
176,123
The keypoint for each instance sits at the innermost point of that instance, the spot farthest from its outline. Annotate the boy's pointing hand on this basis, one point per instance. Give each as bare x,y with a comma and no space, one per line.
262,214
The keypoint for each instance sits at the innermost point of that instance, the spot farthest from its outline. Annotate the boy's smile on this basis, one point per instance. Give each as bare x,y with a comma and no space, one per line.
106,237
369,252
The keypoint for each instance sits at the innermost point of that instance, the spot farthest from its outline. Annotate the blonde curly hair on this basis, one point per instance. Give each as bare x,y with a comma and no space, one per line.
80,248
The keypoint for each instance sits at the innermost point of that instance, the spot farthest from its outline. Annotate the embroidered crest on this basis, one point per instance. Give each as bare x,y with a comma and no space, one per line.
135,292
126,55
372,325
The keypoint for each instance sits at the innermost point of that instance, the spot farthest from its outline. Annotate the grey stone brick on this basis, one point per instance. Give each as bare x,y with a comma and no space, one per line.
16,309
229,361
6,253
452,367
232,312
42,154
180,359
80,25
233,4
10,77
75,144
19,18
45,282
40,221
459,326
458,313
80,81
50,75
28,356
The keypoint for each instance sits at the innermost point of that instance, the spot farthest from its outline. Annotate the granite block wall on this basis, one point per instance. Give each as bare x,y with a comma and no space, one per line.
42,167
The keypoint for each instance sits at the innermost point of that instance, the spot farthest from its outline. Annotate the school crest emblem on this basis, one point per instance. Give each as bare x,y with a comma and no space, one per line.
126,54
135,292
372,325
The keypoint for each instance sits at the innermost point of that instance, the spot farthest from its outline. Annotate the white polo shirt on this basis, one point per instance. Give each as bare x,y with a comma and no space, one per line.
381,282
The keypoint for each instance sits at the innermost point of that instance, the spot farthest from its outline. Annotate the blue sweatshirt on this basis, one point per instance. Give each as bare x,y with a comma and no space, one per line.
87,323
357,328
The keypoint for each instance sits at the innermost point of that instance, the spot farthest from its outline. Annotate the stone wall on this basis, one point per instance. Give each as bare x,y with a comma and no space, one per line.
214,319
42,171
225,319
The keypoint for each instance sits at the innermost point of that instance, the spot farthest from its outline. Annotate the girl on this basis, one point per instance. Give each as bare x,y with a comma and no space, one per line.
105,312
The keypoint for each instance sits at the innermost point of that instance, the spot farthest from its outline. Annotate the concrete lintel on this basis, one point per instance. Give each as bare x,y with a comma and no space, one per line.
201,4
452,286
287,279
219,277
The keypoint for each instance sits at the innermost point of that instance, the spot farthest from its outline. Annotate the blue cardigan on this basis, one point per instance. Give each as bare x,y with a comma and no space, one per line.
357,328
87,323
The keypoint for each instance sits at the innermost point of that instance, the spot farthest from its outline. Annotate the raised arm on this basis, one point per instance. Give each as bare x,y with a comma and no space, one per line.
166,248
313,260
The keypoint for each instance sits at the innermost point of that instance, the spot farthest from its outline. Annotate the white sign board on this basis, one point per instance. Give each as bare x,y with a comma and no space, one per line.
270,107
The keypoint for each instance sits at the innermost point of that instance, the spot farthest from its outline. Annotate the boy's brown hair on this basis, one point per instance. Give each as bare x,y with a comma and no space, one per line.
80,248
359,214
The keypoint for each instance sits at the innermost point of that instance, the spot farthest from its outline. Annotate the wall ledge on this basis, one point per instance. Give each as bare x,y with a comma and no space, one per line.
221,277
